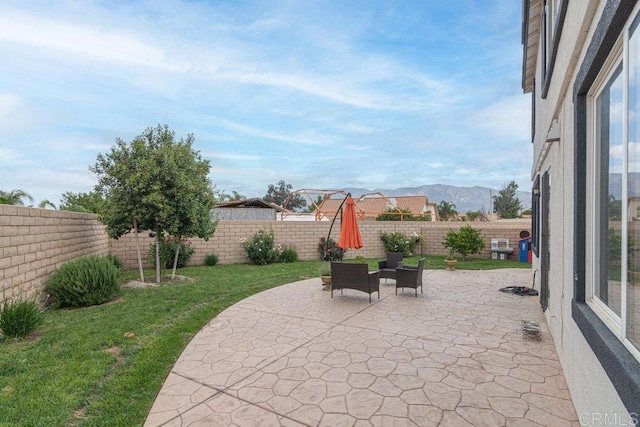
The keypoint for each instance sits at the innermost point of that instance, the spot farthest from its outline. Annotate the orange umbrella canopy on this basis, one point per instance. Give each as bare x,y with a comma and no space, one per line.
349,232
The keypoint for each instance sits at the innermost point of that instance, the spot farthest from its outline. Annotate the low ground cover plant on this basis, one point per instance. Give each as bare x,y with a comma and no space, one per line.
288,254
84,281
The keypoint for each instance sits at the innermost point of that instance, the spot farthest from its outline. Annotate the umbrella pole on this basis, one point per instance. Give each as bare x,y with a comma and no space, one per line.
326,242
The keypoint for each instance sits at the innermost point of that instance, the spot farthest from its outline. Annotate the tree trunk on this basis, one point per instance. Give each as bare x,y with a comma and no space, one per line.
175,258
158,266
135,226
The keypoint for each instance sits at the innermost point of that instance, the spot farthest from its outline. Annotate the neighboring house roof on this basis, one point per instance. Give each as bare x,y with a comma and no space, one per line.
249,203
371,207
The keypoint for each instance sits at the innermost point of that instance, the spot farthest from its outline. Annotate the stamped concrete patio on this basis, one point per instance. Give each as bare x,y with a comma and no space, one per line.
292,356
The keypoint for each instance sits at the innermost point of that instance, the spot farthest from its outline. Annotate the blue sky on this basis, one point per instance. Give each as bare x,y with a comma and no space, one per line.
322,94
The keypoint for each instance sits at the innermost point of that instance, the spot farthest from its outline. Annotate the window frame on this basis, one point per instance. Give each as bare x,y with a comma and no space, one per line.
609,69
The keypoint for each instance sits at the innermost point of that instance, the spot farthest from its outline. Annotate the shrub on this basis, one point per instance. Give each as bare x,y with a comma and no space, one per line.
168,247
211,260
19,318
398,241
288,254
325,269
329,250
465,241
84,281
261,248
115,261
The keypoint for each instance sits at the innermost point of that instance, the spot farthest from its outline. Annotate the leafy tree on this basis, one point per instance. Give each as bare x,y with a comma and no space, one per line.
319,200
527,212
506,204
279,192
14,197
447,211
82,202
465,241
158,184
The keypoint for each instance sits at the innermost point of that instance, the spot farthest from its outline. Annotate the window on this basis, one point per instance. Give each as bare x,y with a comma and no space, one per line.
606,317
613,157
535,216
552,20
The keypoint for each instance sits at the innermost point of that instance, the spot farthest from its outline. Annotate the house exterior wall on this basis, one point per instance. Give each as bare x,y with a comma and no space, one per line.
591,388
35,242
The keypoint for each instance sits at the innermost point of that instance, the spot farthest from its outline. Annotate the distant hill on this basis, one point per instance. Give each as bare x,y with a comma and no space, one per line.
465,198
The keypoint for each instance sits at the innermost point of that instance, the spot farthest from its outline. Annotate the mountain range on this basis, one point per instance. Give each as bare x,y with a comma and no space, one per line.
465,199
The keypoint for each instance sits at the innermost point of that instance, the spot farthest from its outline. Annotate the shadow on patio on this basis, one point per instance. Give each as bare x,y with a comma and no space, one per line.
293,356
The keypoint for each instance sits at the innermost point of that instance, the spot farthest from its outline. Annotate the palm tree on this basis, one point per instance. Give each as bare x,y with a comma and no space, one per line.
14,197
447,210
46,204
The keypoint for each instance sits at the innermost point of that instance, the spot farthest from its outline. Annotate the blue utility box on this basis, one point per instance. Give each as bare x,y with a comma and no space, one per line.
524,247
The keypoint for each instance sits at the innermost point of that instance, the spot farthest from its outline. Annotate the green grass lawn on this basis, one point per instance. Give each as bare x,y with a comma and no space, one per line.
79,369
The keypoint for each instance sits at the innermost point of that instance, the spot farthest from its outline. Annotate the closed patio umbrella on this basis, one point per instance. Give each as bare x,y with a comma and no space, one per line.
350,237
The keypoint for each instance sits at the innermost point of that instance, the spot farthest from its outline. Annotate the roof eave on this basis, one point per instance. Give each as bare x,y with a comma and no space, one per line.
530,38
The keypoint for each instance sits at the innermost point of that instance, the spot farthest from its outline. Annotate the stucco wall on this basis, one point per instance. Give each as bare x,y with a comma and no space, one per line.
304,236
34,242
592,392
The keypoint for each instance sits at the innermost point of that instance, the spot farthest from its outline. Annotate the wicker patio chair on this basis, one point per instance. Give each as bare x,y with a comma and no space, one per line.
410,277
354,276
388,266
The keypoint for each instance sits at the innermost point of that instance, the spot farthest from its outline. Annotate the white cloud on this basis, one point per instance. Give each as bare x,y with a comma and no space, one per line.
296,139
9,103
83,42
509,117
229,156
11,157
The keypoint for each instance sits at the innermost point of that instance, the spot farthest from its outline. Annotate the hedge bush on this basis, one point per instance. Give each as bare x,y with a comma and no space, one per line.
261,247
85,281
398,241
211,260
329,250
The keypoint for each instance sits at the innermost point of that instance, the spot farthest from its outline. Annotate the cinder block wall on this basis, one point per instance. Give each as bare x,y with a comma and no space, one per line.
434,233
304,236
34,242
